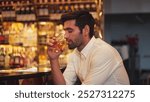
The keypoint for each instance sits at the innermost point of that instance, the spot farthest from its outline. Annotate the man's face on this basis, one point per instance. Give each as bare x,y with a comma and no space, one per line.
72,34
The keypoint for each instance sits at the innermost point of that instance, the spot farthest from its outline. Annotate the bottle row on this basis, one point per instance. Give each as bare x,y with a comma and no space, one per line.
25,57
30,13
29,34
53,8
23,39
15,56
15,2
31,2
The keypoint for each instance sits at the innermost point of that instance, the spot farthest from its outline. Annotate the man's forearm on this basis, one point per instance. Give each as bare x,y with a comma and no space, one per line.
58,77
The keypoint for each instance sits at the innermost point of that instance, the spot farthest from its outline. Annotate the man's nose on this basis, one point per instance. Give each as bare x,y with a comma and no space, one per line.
66,35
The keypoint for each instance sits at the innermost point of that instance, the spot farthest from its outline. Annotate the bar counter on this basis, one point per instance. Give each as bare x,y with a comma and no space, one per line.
15,75
12,76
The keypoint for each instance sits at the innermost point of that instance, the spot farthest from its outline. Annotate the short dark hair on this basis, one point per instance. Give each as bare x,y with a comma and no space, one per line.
82,18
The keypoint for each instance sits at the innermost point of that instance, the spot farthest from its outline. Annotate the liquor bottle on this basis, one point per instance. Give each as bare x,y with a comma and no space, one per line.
4,12
7,13
57,8
32,14
27,14
40,10
70,8
45,10
93,7
87,6
2,3
2,58
22,59
12,12
18,11
25,58
81,6
7,59
7,2
61,8
52,9
45,1
76,7
42,56
12,2
66,8
28,2
14,60
18,2
17,59
21,14
11,62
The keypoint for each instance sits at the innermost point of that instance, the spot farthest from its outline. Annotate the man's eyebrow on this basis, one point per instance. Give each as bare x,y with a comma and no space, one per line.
68,28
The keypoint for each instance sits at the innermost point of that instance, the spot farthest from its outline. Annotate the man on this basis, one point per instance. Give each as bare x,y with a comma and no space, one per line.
93,61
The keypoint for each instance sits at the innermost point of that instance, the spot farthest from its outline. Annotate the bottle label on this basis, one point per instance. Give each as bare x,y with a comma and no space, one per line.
16,60
2,58
1,63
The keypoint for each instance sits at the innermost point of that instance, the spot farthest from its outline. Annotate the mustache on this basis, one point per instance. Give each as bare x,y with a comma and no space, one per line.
68,40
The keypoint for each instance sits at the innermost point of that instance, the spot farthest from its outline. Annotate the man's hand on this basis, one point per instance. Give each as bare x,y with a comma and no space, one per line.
55,48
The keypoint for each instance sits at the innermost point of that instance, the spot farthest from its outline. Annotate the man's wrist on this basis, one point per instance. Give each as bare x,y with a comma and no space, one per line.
53,59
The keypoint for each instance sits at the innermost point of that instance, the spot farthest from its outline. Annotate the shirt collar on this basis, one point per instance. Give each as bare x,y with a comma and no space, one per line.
87,48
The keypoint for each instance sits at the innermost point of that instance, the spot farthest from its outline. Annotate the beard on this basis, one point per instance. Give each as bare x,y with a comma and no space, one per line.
72,46
76,43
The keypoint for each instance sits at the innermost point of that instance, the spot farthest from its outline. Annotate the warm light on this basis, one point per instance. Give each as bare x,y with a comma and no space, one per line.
33,48
100,14
43,23
100,34
61,27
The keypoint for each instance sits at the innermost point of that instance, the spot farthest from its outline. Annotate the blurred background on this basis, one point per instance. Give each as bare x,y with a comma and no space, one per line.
127,24
26,24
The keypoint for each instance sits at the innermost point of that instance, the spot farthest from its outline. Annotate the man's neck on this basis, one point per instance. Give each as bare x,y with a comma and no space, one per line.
85,42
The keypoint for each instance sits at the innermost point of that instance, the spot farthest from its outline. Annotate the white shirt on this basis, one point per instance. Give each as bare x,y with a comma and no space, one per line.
97,64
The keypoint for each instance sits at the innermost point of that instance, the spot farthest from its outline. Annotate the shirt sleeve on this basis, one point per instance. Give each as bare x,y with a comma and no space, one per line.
70,74
103,63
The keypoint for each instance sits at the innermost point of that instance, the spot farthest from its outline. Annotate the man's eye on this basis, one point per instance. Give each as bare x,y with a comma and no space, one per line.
70,31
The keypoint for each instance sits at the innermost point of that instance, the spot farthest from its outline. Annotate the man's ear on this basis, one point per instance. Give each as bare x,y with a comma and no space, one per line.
86,30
